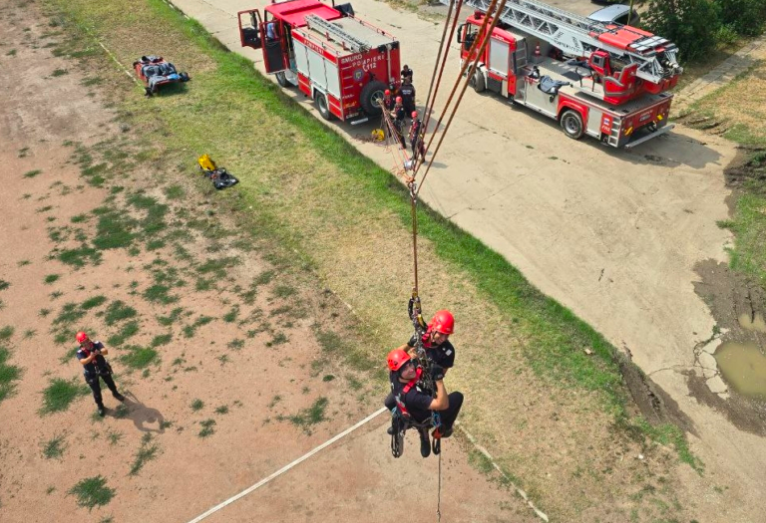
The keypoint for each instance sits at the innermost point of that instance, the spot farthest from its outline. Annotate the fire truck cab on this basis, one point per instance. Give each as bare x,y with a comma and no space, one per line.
343,63
593,95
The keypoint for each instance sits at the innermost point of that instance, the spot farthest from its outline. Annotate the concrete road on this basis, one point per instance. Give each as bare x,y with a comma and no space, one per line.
613,235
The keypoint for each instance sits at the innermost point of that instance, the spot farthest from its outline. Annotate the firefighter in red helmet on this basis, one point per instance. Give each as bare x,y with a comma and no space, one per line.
91,355
418,404
436,340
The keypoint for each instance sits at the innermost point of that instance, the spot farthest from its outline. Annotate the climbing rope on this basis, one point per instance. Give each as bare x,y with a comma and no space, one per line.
474,66
429,108
439,492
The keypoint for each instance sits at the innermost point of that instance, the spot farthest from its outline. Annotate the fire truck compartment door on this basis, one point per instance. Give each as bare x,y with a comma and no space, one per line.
322,73
249,28
499,57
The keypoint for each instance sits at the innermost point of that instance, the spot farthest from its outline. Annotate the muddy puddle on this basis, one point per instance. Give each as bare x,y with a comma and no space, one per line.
752,323
744,368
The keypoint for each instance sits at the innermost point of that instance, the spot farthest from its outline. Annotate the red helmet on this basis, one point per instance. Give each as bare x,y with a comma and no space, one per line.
414,114
443,321
387,92
81,337
397,358
398,99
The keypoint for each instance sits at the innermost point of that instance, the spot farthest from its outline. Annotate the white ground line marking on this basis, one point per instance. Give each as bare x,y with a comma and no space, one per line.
289,466
124,69
487,455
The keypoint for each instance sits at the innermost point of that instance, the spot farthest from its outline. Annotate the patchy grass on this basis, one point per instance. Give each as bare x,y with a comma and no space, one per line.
59,72
121,412
70,314
92,492
114,229
139,357
169,320
92,303
51,279
79,257
60,393
6,333
174,192
118,311
146,452
160,294
32,174
310,416
223,409
54,448
127,331
236,344
162,339
743,120
283,291
9,375
197,404
207,428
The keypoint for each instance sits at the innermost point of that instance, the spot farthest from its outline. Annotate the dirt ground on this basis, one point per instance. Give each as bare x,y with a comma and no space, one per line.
269,388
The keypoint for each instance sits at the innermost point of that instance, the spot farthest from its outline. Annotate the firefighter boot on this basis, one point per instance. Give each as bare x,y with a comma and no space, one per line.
101,410
119,397
425,443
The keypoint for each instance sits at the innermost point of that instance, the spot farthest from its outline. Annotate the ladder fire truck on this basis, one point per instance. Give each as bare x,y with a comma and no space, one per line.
608,81
343,63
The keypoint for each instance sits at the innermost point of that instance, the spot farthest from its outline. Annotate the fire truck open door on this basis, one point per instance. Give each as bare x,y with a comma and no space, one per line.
274,46
249,28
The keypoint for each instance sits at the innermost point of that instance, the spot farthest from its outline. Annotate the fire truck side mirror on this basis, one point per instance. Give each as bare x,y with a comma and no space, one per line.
460,33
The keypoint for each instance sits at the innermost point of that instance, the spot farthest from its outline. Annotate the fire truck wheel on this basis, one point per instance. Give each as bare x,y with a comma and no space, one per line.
477,82
372,98
282,79
322,107
571,122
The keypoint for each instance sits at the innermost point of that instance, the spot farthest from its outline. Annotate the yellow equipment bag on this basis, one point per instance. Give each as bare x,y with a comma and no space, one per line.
206,163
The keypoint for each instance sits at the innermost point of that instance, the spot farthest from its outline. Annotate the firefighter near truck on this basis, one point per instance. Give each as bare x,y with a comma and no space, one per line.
604,80
341,62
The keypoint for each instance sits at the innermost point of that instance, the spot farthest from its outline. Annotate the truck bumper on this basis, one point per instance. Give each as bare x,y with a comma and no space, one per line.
648,137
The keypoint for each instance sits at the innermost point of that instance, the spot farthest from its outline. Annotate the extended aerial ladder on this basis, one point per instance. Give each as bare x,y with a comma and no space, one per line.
578,36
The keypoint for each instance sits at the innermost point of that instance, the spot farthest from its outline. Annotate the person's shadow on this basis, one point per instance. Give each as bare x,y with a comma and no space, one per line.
146,419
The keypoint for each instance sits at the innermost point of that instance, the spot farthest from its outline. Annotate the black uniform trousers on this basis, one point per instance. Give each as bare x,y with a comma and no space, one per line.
447,416
95,386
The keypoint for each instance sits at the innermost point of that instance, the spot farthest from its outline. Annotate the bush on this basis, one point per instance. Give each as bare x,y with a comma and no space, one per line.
726,35
691,24
746,17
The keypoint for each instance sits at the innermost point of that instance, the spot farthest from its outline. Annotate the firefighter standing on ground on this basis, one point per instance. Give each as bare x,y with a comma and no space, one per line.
416,137
399,114
91,356
419,404
407,92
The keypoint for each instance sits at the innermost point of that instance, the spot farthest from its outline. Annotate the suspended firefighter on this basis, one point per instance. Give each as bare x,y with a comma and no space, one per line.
419,407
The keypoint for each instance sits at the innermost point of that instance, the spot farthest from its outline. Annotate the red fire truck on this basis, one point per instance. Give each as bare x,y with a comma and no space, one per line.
608,81
343,63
